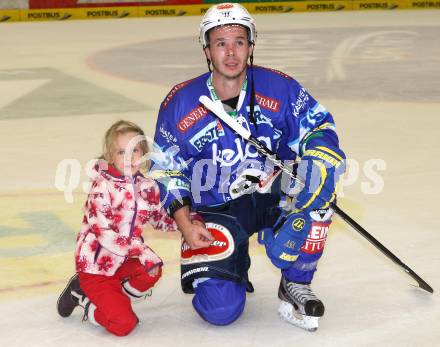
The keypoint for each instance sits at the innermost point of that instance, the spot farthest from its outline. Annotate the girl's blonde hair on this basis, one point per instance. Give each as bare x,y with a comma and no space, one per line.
119,128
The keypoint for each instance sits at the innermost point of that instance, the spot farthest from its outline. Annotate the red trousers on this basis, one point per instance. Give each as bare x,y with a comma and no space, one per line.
113,306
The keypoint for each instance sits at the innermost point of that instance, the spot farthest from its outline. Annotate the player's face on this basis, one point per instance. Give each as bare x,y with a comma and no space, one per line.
120,147
229,51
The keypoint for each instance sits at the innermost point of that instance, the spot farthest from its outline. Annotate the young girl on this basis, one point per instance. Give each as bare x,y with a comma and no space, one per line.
112,262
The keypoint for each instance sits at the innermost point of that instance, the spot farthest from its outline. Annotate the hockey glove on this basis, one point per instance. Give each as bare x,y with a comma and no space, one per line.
320,169
283,247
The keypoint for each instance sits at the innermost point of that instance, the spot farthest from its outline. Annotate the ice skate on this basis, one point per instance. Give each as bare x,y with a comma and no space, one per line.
71,297
299,305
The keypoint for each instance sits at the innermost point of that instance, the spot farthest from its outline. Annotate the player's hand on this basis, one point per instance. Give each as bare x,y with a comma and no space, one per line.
193,228
320,169
196,235
196,219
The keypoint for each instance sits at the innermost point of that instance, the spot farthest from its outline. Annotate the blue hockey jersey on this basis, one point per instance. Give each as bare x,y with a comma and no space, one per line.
200,158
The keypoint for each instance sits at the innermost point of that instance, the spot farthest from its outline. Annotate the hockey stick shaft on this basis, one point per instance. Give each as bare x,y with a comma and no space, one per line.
217,108
422,284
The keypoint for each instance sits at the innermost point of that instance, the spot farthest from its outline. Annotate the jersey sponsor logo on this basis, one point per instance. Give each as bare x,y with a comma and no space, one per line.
315,241
221,248
173,92
191,118
208,134
268,103
170,138
301,102
230,157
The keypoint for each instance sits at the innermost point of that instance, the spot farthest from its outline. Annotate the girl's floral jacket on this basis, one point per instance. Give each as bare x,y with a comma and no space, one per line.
116,211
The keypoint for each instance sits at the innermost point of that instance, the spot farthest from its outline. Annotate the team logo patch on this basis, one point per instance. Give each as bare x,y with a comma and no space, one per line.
316,239
222,247
298,224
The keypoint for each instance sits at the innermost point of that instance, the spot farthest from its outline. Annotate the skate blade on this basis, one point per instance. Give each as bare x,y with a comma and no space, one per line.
289,314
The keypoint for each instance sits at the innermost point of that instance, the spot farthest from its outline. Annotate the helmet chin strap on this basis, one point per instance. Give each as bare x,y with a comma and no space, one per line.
252,100
208,61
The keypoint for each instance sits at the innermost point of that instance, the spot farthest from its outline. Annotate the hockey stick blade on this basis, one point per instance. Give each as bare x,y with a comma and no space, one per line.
217,109
422,284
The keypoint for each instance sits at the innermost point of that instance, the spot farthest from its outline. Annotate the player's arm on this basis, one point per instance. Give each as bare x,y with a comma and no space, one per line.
310,133
322,161
171,172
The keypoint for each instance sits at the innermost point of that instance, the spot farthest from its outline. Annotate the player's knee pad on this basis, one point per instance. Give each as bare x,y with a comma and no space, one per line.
303,269
219,301
227,257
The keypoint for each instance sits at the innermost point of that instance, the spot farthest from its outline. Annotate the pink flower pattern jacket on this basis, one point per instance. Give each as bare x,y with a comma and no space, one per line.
115,213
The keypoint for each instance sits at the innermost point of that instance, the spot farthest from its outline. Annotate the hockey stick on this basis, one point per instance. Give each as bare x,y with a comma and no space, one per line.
216,107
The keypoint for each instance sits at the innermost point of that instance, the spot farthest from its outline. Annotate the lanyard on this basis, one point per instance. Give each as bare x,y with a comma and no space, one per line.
215,97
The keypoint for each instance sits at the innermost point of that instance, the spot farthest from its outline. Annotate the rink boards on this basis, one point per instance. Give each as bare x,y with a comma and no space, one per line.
191,10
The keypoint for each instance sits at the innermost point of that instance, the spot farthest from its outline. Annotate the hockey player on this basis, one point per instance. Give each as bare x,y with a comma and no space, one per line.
203,165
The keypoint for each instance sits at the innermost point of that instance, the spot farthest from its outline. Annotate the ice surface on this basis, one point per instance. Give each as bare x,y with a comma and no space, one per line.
62,84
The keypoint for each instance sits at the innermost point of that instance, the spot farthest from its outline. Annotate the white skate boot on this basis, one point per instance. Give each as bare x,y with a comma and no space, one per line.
299,305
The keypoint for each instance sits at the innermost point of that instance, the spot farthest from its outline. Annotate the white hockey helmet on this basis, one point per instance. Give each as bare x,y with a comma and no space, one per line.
224,14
